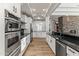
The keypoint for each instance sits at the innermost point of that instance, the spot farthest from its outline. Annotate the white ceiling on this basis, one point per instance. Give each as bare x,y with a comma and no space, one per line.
67,9
39,8
36,9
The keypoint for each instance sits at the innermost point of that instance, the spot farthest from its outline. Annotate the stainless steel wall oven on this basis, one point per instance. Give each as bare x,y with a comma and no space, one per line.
12,34
12,42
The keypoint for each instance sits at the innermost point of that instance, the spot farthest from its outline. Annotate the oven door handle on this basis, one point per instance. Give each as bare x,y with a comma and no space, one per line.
13,53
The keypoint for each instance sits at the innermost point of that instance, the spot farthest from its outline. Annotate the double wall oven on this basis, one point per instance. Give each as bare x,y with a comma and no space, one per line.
12,34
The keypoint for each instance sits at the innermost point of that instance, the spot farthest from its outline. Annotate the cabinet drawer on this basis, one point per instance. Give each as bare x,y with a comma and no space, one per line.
72,52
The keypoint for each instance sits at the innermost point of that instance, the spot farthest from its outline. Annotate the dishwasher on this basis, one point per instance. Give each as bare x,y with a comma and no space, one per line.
60,48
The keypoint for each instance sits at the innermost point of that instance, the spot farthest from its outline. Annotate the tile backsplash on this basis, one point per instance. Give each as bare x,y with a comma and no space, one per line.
71,25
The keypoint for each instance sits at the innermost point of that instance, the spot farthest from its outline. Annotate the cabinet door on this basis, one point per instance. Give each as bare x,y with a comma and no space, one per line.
14,8
23,43
53,45
43,34
28,40
72,52
49,40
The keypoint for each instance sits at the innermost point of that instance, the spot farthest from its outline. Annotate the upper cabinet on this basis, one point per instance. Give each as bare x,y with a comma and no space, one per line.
26,19
14,8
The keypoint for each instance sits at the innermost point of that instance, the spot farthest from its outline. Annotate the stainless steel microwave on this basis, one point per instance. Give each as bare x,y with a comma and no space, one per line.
12,22
11,25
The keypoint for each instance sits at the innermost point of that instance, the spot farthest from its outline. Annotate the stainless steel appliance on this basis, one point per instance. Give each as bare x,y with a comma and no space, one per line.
16,52
22,32
12,25
12,41
12,34
60,49
12,22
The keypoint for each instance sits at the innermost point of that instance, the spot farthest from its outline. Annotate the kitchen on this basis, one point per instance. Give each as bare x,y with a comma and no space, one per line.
39,29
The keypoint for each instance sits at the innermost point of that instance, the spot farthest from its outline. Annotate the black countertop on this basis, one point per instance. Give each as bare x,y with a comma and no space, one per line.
71,41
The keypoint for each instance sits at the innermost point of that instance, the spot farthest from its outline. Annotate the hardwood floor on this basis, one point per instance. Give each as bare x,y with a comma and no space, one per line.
38,47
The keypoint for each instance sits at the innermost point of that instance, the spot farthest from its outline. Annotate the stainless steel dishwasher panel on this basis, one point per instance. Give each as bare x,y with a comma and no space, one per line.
60,49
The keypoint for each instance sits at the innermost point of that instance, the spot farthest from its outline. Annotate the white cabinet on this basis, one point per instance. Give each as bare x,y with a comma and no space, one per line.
72,52
39,26
51,42
26,19
29,20
27,26
39,34
24,43
27,40
43,34
14,8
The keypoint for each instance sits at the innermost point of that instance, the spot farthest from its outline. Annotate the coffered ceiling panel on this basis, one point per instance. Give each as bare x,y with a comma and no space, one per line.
25,9
39,8
67,9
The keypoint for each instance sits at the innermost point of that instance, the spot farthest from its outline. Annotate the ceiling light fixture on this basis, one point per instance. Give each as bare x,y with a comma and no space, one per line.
44,9
34,9
38,18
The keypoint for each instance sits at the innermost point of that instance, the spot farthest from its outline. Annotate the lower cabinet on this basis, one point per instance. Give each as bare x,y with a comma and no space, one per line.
72,52
39,34
51,42
27,40
53,46
24,43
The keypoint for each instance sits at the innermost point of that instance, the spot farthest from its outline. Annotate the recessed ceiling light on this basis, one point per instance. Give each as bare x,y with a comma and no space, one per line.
42,15
44,9
38,18
34,9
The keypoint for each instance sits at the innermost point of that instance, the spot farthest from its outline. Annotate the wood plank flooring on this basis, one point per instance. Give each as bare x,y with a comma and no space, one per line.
38,47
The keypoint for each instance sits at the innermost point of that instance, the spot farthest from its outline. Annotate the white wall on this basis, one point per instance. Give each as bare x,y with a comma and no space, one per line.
2,30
